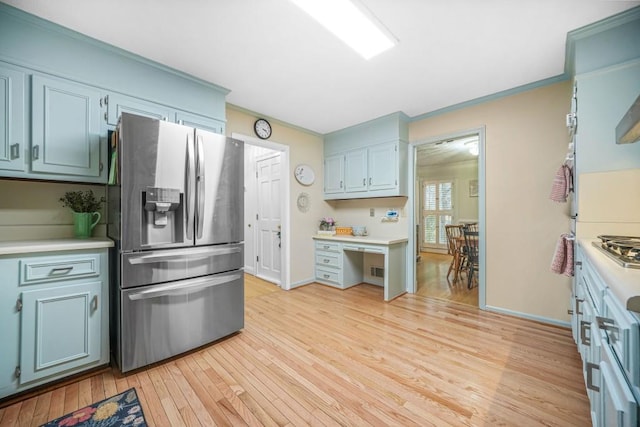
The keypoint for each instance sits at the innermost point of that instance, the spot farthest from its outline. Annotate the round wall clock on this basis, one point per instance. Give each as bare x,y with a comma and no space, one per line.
304,174
262,128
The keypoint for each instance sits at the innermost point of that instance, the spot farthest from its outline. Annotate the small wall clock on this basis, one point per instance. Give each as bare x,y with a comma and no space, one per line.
262,128
304,174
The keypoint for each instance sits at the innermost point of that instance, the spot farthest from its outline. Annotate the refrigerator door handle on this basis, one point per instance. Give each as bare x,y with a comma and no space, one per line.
183,287
190,187
192,255
200,186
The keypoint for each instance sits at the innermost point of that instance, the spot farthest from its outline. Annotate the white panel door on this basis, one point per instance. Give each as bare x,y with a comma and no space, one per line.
269,218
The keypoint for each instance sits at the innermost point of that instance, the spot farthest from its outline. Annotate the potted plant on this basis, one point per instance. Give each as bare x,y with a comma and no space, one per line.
85,207
327,225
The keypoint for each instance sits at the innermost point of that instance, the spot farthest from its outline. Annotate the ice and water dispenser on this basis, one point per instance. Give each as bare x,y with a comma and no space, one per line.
162,216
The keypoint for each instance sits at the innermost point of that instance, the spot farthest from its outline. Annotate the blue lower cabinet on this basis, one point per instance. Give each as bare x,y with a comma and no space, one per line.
60,329
54,312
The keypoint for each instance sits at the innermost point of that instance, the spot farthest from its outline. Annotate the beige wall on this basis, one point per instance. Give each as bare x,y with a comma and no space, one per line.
305,147
526,142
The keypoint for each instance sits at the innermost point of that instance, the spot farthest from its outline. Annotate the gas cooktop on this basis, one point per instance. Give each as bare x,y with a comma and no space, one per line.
625,250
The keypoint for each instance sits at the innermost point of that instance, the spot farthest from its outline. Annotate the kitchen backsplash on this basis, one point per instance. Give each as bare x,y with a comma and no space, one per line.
348,213
609,203
32,210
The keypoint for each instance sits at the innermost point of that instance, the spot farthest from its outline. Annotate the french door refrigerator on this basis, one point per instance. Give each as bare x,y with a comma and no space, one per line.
176,216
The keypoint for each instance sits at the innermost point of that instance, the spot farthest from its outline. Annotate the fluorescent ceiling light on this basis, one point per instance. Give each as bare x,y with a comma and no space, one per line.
351,23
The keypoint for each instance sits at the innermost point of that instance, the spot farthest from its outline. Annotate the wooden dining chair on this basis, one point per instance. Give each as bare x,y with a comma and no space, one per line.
454,248
471,250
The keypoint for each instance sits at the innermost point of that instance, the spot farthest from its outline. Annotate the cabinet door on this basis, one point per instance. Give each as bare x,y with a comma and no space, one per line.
12,116
355,170
618,405
118,104
66,128
383,161
334,174
60,329
199,122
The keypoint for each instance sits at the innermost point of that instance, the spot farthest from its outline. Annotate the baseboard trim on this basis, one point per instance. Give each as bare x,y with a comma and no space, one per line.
302,283
527,316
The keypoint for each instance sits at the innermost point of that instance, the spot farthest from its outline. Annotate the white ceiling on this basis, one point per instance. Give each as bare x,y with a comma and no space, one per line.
279,63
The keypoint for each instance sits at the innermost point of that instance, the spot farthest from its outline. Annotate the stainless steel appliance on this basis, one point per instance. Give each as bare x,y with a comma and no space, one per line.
624,250
176,215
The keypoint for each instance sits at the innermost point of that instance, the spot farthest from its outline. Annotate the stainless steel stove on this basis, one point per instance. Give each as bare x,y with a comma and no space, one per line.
625,250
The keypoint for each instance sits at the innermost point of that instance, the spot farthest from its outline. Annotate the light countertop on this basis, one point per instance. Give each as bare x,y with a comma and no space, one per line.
32,246
624,283
372,240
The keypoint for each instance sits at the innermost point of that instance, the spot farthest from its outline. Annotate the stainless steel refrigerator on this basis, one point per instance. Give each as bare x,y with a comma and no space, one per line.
176,216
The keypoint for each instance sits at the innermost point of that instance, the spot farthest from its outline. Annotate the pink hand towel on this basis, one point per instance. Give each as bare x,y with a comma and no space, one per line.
562,262
561,184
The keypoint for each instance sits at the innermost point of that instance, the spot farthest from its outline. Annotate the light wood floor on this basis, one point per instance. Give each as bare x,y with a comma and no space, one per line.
321,356
431,274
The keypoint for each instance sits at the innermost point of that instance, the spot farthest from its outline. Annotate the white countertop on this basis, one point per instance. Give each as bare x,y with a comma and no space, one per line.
30,246
372,240
624,283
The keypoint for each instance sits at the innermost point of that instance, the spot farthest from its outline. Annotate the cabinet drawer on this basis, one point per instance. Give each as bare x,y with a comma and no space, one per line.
365,248
328,259
328,275
63,267
594,286
328,246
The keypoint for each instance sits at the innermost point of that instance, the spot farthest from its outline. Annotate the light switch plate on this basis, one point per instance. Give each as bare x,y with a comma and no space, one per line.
372,212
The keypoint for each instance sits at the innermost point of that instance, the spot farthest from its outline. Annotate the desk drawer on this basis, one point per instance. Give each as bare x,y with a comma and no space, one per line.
365,248
328,275
328,259
328,246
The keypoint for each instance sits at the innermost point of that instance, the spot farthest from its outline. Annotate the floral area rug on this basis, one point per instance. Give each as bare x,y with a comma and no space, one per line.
123,409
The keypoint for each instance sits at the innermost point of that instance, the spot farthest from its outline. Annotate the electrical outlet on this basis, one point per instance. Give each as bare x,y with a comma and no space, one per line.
372,212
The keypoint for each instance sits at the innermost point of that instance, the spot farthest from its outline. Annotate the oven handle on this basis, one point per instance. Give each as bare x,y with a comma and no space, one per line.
172,257
182,287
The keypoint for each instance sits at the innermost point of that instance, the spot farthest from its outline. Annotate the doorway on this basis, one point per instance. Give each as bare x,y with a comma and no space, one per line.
266,210
447,177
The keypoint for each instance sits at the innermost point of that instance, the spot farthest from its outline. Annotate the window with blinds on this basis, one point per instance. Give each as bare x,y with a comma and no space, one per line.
437,210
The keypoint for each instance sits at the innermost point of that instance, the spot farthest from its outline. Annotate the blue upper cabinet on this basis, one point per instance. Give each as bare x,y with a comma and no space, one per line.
79,88
367,160
12,119
66,129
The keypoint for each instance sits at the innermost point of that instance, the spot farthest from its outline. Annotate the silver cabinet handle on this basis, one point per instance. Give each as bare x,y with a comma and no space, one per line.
370,181
60,271
584,327
15,151
606,324
94,303
327,261
326,276
340,184
590,367
326,246
364,181
577,310
35,152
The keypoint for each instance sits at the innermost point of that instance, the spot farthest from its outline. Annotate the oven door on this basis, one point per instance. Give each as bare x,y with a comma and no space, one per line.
164,320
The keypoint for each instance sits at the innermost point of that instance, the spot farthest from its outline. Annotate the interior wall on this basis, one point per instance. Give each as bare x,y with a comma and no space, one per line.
526,142
305,147
32,210
352,212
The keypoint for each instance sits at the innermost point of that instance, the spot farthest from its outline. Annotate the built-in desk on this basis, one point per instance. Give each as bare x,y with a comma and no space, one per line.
339,262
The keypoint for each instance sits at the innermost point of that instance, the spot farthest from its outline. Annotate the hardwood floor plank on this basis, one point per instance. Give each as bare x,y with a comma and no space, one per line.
317,355
41,411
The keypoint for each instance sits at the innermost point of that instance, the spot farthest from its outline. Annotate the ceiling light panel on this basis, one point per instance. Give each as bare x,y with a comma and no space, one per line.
351,23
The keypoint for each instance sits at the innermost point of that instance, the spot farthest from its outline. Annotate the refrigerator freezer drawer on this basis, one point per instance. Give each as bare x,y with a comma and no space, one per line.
146,268
162,321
